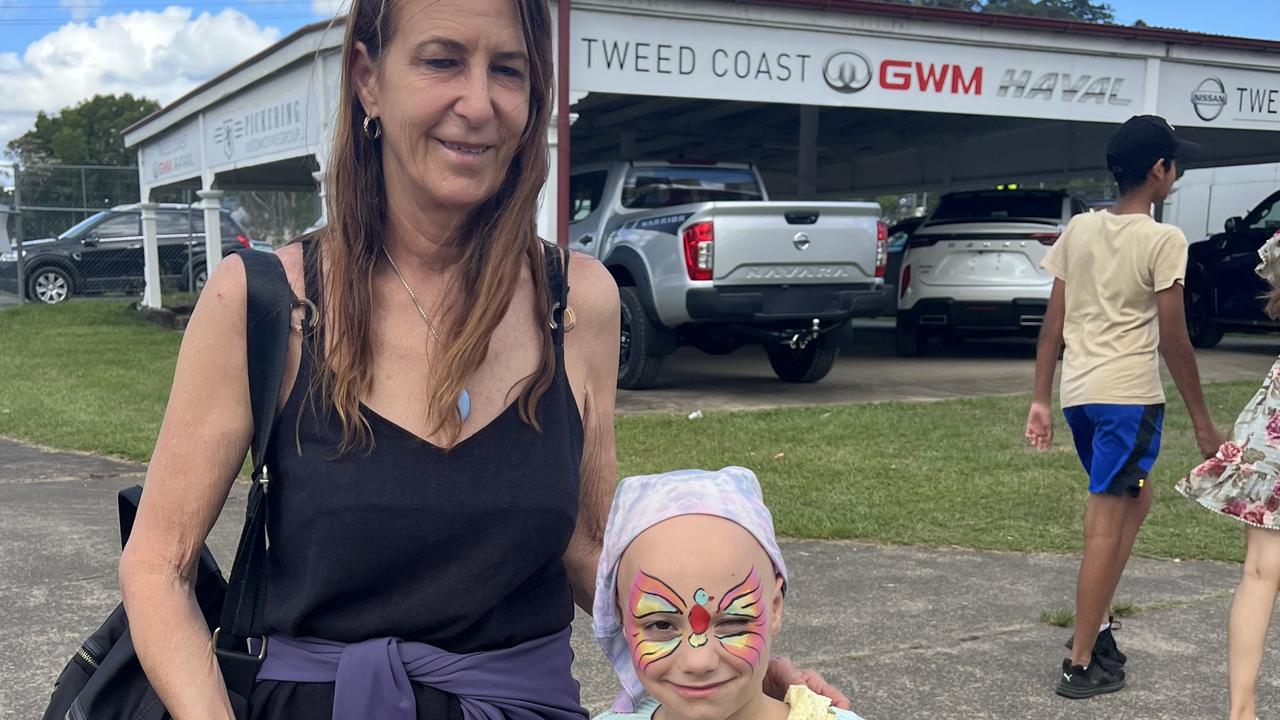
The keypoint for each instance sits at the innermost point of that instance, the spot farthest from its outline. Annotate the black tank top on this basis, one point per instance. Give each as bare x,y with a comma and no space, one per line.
460,549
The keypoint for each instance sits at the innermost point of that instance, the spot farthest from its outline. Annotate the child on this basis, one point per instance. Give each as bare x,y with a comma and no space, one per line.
689,596
1240,480
1116,300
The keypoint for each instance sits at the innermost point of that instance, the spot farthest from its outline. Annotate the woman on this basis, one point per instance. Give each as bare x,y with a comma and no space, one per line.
442,467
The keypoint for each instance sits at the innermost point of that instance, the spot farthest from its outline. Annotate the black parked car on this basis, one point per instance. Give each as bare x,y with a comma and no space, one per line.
1222,291
899,234
103,253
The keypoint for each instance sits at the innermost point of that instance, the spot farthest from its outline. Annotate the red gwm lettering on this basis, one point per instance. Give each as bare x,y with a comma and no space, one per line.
895,75
961,86
899,75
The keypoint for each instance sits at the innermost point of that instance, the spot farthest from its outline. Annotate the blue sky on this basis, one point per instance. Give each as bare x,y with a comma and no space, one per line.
1247,18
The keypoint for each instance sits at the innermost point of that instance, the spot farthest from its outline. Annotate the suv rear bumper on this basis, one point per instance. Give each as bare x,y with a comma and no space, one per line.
773,303
1020,314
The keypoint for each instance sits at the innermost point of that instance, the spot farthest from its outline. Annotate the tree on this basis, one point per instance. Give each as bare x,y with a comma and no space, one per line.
1080,10
90,133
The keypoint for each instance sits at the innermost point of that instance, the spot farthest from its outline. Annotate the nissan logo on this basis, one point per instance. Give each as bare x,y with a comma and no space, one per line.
801,241
1209,98
847,71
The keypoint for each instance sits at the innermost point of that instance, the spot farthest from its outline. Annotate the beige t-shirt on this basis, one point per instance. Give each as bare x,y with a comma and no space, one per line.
1113,266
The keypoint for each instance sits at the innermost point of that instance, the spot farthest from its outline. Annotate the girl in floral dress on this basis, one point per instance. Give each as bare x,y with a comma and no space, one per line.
1243,480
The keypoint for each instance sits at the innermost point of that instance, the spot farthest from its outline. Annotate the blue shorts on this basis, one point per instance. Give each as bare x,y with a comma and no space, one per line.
1117,444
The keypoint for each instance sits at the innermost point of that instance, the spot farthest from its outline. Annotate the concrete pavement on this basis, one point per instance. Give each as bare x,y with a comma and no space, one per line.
908,633
868,370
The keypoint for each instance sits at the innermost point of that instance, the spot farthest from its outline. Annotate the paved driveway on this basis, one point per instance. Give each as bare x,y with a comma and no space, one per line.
869,371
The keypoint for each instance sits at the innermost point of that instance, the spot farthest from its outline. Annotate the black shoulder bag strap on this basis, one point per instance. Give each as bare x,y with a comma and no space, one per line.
558,282
239,641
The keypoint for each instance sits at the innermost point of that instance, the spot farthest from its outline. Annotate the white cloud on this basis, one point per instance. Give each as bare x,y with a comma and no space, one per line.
81,9
330,8
159,55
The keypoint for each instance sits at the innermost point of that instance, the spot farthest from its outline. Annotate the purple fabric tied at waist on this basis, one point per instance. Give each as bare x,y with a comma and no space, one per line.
531,681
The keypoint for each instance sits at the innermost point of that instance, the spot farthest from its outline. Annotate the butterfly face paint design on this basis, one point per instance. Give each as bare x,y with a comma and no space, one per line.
745,620
742,629
650,641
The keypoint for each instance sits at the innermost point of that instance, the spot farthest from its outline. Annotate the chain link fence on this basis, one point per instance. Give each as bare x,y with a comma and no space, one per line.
73,230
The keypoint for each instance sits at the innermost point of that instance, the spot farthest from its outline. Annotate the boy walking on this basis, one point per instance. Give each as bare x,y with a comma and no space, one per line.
1116,301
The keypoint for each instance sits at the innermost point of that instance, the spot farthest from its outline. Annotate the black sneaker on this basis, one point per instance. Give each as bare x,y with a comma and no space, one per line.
1077,682
1105,648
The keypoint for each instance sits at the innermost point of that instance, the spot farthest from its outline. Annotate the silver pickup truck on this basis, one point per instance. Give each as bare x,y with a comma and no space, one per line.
703,258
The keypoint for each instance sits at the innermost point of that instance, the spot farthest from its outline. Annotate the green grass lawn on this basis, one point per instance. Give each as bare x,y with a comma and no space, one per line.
93,376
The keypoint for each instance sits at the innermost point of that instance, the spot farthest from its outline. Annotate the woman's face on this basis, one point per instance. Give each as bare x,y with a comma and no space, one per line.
451,92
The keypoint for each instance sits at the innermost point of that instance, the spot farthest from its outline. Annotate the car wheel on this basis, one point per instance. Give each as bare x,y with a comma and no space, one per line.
49,285
1201,329
638,364
196,278
908,339
808,364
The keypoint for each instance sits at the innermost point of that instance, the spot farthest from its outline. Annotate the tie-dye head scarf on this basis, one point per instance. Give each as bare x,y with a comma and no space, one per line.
644,501
1269,261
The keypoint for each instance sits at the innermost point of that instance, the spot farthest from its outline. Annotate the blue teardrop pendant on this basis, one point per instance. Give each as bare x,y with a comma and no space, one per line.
464,404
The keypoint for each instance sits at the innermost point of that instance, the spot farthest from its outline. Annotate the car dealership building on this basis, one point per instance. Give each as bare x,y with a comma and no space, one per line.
829,98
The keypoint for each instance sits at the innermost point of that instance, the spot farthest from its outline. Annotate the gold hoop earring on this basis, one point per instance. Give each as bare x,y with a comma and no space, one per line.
377,127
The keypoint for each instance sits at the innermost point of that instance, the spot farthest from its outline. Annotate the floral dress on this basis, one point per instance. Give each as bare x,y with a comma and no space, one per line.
1243,479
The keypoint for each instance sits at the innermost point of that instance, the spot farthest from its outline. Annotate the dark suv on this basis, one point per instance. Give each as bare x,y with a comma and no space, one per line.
103,253
1222,291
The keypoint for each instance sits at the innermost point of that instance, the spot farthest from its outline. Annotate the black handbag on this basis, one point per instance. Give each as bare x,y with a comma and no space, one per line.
104,680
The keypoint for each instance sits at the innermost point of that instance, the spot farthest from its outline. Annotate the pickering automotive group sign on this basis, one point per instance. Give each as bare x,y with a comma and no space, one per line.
699,59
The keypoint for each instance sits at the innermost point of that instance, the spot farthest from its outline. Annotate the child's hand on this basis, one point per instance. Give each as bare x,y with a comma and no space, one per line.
1209,440
1040,426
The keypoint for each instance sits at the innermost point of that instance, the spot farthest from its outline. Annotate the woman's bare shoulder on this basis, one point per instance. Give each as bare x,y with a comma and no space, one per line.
593,293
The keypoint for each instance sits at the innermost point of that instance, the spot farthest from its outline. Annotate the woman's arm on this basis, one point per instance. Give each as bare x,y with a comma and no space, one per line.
206,431
591,353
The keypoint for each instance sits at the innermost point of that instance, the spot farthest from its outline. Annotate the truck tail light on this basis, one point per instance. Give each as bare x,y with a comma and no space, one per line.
1045,238
242,240
699,250
882,248
906,280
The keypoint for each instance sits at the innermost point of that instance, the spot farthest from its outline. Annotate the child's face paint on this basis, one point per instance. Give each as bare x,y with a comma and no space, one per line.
744,620
651,628
657,609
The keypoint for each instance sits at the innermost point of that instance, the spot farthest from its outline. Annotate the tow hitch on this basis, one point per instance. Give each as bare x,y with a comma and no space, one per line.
801,340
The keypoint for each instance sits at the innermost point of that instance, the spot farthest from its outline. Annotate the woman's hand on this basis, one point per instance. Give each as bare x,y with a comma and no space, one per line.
782,674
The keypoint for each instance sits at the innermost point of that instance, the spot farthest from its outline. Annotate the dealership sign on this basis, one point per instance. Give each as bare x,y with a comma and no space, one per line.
172,157
276,119
696,59
1211,96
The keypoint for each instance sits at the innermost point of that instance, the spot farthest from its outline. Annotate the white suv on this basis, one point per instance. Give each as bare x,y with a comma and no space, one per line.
973,268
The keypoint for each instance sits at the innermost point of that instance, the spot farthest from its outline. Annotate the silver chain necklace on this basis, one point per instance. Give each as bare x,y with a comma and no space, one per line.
464,400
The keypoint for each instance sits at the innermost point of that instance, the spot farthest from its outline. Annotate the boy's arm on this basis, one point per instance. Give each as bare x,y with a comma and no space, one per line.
1180,357
1040,419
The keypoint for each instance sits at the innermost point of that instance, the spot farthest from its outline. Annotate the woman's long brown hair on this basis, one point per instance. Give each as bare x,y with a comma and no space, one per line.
497,239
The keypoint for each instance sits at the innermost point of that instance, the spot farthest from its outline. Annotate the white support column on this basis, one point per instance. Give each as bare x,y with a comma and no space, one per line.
319,177
212,206
1151,89
547,221
547,208
150,252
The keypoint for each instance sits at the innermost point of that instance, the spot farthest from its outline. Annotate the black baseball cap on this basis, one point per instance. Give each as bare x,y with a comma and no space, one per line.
1144,139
